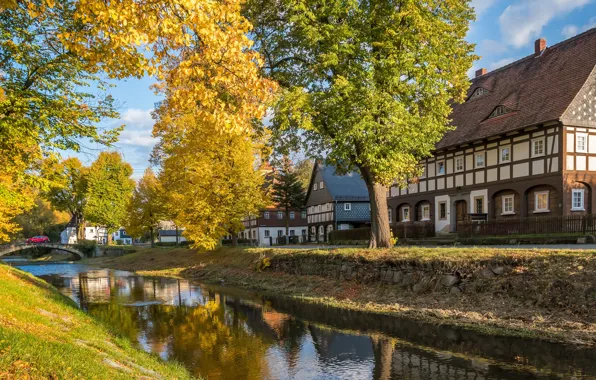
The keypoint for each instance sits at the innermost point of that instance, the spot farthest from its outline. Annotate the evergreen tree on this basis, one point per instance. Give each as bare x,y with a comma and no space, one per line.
287,190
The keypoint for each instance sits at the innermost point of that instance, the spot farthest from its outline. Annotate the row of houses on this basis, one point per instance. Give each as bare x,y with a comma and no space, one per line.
99,234
523,145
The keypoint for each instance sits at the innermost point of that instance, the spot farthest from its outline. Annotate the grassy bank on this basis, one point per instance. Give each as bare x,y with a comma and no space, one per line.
535,297
43,335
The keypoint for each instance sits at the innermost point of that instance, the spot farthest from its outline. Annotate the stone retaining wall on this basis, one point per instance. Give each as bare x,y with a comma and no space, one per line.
415,276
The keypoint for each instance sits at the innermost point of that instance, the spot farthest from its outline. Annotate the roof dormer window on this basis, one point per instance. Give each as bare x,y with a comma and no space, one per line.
499,111
480,91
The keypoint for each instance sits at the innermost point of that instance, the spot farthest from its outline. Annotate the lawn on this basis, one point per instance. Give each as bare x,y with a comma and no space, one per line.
44,335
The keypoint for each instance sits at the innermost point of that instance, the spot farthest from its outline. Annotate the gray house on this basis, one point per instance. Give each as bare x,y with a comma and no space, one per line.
335,202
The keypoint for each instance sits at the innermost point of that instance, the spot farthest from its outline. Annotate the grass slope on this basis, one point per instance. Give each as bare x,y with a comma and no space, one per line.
44,335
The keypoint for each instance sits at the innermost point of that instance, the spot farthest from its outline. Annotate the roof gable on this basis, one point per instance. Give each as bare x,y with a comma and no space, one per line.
344,187
539,89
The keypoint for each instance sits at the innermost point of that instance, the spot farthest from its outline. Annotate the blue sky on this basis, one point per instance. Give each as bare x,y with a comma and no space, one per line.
504,31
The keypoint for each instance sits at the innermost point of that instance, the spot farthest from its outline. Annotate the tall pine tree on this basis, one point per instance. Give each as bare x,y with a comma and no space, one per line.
287,190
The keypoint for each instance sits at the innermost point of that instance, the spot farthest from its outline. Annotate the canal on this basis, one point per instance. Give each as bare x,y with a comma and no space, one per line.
223,333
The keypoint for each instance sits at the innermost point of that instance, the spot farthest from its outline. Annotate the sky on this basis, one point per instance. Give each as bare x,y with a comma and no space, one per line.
504,31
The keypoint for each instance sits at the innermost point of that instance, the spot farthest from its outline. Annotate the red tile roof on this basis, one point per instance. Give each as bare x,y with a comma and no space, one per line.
538,90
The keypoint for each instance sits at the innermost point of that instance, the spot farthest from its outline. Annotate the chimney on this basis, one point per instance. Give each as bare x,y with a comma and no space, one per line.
539,46
481,72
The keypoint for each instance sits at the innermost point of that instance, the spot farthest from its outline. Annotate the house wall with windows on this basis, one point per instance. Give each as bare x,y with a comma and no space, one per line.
516,175
270,223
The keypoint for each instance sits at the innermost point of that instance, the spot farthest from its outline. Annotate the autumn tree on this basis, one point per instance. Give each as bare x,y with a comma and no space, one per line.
145,209
44,104
210,179
366,85
42,219
287,190
109,190
67,188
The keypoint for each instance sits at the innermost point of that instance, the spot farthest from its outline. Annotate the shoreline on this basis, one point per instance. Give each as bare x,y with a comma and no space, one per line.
486,313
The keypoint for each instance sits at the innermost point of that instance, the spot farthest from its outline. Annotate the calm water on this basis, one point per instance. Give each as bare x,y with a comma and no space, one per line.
231,334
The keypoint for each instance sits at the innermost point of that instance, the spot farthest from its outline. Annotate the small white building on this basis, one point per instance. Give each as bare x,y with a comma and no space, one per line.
122,236
69,235
169,236
97,233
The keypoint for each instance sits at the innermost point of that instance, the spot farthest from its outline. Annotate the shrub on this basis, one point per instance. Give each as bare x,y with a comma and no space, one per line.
119,242
86,247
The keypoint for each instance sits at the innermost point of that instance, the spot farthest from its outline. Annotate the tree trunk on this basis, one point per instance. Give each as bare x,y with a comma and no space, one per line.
177,236
151,236
380,232
234,239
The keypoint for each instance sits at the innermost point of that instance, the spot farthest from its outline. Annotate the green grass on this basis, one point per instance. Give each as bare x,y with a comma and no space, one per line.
44,335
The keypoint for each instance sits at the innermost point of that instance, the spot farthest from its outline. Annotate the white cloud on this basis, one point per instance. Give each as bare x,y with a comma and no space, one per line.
573,30
481,6
501,63
138,128
523,21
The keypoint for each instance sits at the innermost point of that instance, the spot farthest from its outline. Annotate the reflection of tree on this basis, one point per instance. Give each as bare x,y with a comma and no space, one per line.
383,348
204,337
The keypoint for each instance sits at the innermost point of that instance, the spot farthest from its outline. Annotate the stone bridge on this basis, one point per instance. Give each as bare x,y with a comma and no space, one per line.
7,249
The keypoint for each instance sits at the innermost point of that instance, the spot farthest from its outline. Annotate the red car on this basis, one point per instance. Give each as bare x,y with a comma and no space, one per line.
38,239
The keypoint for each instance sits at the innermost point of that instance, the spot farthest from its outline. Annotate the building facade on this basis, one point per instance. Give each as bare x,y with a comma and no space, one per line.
270,224
169,236
524,144
335,202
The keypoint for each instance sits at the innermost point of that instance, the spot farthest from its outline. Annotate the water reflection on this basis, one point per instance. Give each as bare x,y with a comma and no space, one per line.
226,334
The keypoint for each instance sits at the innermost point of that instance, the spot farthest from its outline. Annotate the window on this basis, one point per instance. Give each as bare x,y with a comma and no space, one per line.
581,142
422,171
499,111
319,208
480,160
292,215
280,215
292,233
440,167
303,214
347,207
267,233
479,205
389,215
541,201
405,214
442,210
478,92
508,205
313,230
303,232
266,215
577,200
538,147
314,187
254,234
321,185
280,233
505,154
459,164
425,212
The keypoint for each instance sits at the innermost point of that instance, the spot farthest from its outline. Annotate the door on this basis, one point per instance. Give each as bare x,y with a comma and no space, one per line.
461,212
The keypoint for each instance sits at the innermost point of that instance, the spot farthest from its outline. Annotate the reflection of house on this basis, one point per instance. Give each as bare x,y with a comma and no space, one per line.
335,202
122,236
169,236
524,144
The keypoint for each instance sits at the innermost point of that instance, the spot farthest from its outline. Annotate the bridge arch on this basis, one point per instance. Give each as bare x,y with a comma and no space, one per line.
7,249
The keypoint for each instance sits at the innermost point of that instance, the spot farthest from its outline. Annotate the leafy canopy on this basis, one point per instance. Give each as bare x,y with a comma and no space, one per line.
146,207
366,83
109,190
210,181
